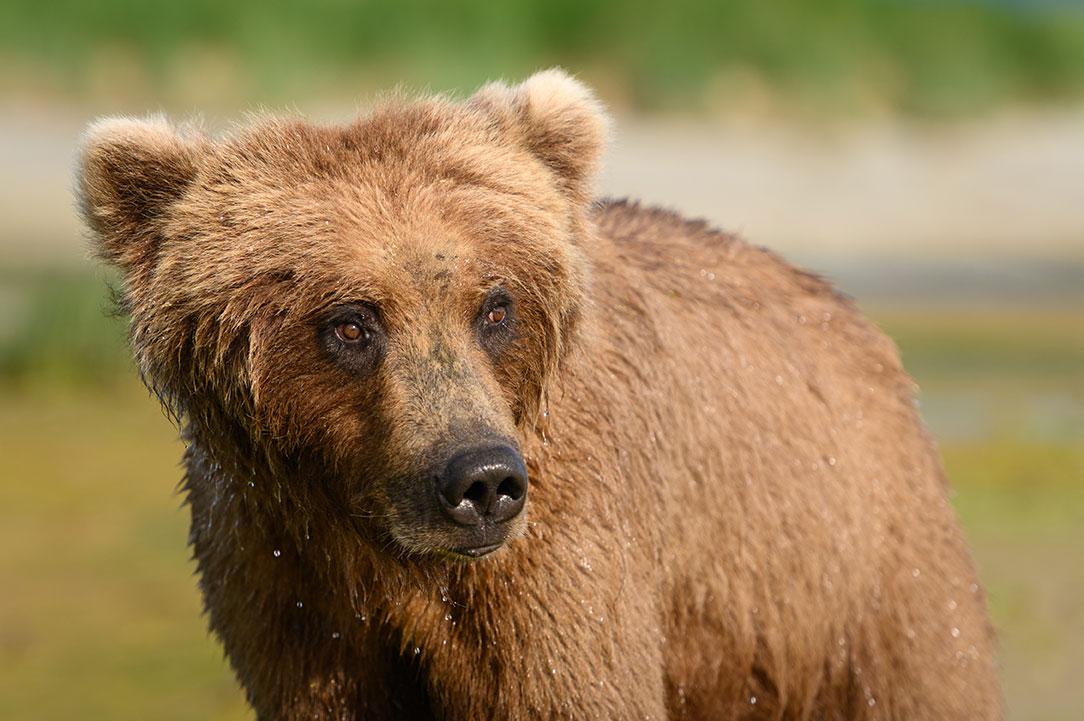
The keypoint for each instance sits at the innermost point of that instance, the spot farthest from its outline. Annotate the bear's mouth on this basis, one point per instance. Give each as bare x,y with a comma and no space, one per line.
474,552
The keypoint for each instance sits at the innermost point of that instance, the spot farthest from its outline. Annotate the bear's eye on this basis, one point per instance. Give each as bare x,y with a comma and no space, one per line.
353,336
351,332
496,321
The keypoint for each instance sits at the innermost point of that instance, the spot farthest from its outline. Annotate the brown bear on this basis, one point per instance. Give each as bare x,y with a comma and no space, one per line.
463,443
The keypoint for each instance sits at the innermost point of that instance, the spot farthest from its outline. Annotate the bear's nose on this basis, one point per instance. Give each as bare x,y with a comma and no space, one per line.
483,486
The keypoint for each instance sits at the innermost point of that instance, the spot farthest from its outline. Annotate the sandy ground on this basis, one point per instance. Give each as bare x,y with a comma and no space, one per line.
1006,189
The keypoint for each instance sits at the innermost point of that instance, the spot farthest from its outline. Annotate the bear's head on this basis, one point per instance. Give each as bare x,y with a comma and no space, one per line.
372,311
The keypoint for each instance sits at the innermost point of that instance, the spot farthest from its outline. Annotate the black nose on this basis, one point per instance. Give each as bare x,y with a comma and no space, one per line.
483,485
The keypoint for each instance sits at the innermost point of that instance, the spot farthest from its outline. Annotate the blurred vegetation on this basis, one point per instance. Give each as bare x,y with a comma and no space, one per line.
57,328
969,344
915,56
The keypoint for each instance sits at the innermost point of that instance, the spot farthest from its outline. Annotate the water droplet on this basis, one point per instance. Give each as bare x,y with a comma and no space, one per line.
915,572
300,604
447,617
336,634
417,650
871,702
276,553
251,484
952,605
955,632
753,700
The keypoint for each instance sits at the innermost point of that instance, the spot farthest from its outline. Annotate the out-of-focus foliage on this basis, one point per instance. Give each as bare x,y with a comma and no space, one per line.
918,56
57,327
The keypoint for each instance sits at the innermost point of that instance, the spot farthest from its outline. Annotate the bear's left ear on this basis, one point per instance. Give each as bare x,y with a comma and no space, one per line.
556,118
130,171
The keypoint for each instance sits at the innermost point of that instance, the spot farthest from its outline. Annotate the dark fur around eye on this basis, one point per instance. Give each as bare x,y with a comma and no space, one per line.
494,337
362,356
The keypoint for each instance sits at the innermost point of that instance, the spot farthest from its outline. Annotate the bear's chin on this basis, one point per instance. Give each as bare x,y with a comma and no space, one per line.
457,544
466,555
469,554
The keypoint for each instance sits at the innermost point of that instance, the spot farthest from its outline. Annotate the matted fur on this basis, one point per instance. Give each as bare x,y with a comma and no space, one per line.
733,509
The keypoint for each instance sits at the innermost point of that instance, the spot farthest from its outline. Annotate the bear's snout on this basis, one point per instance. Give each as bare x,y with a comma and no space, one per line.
481,486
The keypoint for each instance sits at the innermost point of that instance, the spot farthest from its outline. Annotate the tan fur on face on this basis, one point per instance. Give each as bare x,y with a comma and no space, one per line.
730,494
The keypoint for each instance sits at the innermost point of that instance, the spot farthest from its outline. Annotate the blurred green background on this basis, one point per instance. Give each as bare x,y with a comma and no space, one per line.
928,156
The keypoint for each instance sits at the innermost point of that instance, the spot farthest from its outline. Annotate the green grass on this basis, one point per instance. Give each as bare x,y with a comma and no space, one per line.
919,57
1036,345
100,617
57,327
1022,506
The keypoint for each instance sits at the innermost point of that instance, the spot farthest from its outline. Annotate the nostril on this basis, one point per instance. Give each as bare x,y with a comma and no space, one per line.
477,492
510,487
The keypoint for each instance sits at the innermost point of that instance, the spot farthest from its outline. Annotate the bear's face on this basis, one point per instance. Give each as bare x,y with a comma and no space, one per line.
379,307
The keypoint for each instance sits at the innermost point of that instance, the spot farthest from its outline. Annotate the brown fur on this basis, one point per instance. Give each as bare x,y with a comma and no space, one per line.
733,509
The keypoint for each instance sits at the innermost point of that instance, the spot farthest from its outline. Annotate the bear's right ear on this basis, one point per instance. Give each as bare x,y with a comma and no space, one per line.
129,172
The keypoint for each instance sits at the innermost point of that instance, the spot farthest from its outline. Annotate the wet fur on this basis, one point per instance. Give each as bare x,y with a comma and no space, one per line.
734,511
